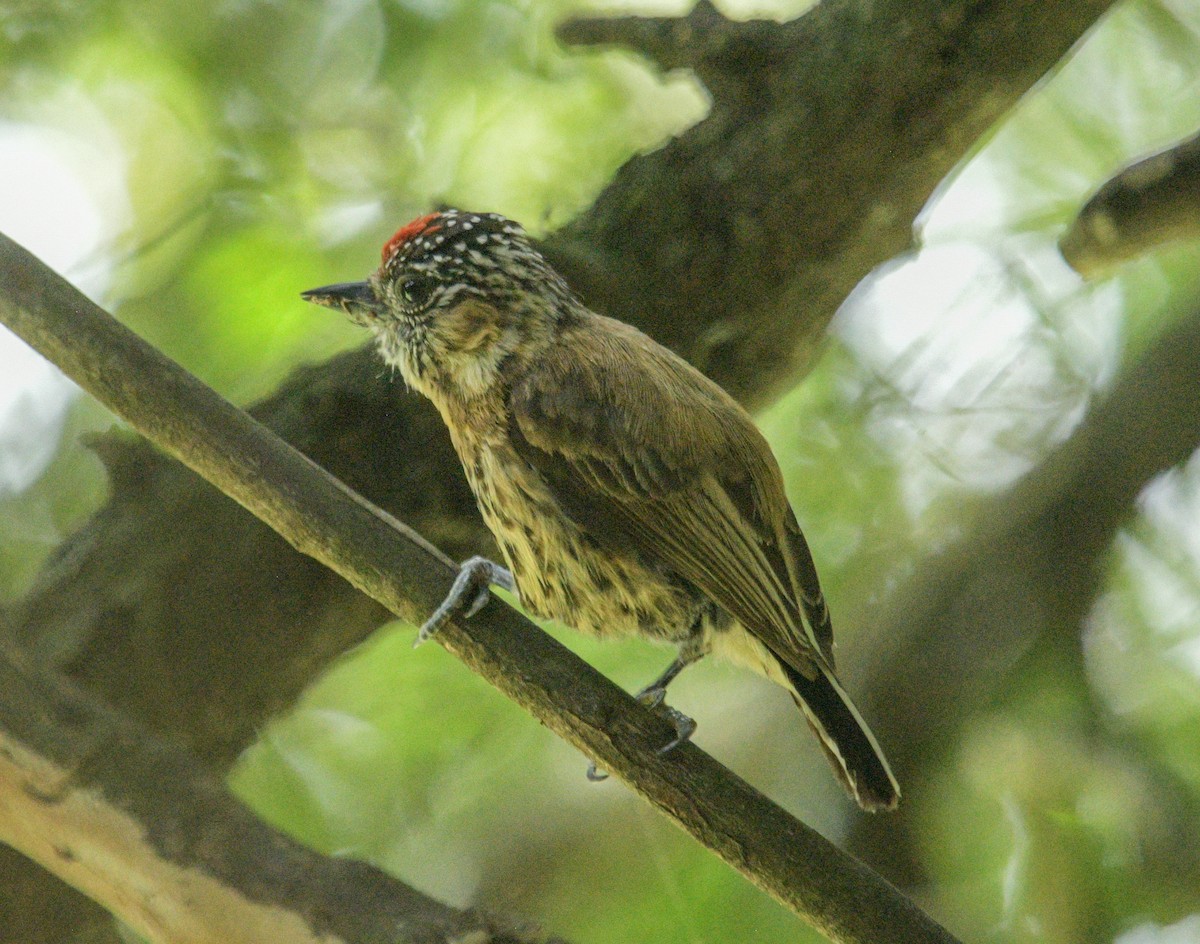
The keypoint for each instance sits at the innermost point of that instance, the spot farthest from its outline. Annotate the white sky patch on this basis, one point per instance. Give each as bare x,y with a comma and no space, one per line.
778,10
971,200
1167,567
46,206
1171,503
1186,931
946,299
1187,656
1141,643
971,380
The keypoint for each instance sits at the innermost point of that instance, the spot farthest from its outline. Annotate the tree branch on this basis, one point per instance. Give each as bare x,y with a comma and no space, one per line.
736,243
385,559
282,616
1152,201
137,826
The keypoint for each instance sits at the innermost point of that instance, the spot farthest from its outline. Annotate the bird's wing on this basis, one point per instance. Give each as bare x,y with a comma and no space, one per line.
643,450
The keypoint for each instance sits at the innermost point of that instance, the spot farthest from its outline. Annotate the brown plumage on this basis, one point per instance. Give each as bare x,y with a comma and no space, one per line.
628,492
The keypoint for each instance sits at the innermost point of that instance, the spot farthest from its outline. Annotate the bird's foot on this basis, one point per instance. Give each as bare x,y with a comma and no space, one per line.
684,727
468,594
652,697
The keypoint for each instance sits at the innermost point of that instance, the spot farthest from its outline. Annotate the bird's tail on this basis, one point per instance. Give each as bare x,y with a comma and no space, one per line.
847,741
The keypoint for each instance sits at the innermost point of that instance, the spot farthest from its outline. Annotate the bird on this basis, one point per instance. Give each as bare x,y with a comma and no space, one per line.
629,494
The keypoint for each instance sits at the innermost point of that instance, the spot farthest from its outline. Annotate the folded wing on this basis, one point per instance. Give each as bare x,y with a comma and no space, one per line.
642,450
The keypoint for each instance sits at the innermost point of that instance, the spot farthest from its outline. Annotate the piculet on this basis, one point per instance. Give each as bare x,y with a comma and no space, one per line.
629,494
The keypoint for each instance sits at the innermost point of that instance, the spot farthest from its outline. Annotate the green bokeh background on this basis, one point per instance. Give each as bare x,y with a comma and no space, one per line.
239,153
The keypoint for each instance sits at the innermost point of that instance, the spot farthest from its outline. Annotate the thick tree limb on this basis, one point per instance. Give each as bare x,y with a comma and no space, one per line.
1153,201
735,244
144,634
140,828
392,564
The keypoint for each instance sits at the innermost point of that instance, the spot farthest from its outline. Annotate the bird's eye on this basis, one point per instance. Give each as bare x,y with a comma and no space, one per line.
416,290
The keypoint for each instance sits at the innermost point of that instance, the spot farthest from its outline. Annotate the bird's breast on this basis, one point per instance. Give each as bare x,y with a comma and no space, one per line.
561,570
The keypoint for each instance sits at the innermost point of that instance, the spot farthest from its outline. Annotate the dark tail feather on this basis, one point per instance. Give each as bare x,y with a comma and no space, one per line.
845,738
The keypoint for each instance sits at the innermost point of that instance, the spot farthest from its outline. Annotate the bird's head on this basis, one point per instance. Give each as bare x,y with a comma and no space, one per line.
455,294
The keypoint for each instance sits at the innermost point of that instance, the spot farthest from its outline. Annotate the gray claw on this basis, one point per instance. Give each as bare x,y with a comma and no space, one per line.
684,726
652,697
468,594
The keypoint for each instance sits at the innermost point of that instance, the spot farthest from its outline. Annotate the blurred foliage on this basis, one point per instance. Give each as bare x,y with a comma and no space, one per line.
1143,647
234,155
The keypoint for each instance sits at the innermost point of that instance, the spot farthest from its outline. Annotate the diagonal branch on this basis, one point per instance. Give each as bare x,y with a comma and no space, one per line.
383,558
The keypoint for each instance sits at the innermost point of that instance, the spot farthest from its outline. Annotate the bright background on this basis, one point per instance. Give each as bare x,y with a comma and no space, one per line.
192,167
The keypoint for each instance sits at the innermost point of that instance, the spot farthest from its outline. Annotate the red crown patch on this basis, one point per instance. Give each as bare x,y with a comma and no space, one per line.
421,226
